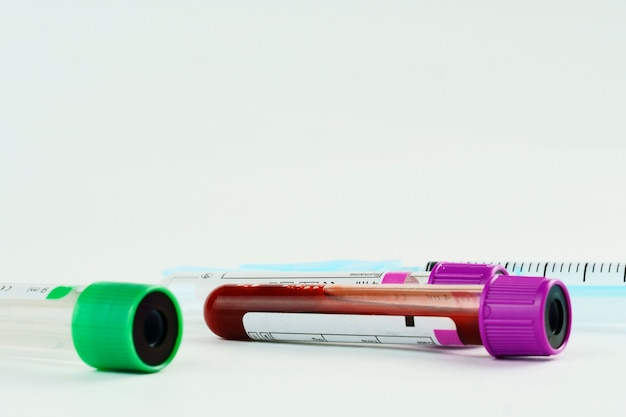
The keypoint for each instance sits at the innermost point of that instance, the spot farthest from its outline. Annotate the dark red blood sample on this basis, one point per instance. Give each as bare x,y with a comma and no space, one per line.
225,306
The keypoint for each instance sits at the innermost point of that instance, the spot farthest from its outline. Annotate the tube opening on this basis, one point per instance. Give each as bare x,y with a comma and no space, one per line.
155,328
556,317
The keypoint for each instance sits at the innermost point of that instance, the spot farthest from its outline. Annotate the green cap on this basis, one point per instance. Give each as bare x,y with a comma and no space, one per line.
126,327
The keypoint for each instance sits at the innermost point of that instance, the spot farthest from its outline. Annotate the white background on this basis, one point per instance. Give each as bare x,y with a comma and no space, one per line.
140,136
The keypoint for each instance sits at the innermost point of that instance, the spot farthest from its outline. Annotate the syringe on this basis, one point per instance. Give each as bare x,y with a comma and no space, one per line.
510,316
110,326
191,289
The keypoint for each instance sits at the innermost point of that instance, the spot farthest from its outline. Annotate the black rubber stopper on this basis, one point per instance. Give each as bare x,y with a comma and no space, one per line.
155,328
556,316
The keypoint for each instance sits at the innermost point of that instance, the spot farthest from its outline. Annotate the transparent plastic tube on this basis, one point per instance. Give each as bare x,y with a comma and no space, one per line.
510,316
109,326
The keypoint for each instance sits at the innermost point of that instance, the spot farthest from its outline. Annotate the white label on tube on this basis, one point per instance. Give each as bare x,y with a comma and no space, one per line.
25,291
349,328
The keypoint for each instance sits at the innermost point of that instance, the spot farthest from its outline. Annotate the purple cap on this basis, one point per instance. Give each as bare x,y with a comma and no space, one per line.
464,273
524,316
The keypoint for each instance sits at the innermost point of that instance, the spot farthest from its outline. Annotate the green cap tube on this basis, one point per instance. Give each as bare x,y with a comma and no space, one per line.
126,327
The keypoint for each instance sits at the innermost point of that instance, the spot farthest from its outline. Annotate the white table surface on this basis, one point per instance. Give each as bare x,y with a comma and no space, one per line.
237,378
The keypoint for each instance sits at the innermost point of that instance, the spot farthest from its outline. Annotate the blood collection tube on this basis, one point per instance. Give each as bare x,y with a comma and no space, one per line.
110,326
191,289
510,316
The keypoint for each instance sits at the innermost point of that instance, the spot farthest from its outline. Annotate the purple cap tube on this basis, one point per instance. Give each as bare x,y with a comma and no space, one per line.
479,305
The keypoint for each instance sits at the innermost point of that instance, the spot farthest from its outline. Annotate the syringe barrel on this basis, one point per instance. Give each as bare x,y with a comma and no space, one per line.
532,313
110,326
196,286
193,288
